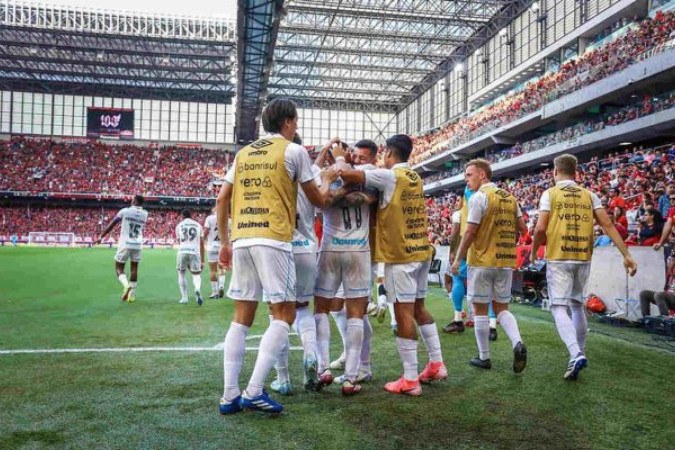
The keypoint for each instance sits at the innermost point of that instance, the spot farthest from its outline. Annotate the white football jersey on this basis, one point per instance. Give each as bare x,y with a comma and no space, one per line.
346,228
212,238
189,233
304,236
133,219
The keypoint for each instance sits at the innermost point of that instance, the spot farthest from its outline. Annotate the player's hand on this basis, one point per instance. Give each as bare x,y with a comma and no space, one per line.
329,175
630,265
454,269
225,256
657,246
97,241
338,151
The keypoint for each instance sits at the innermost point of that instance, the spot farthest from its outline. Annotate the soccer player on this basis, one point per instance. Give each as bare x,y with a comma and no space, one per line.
190,256
402,244
565,223
261,188
216,272
344,259
129,244
493,223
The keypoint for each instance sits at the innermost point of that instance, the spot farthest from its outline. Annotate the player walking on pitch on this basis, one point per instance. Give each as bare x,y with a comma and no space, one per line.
129,244
217,273
262,189
565,223
190,256
490,238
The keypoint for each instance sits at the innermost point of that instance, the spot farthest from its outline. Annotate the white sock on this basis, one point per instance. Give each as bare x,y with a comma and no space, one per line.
580,324
429,334
510,326
214,287
123,279
306,328
221,281
322,341
132,285
493,322
565,329
340,318
271,344
183,285
469,307
392,315
233,359
354,344
407,350
281,365
458,316
482,331
365,347
197,281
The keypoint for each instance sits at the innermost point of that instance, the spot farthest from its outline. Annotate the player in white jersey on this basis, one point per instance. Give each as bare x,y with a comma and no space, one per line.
344,258
129,244
190,256
217,273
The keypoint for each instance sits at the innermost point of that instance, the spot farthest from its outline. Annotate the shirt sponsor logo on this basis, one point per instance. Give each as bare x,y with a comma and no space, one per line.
338,241
241,167
304,243
252,224
575,217
416,248
256,182
254,211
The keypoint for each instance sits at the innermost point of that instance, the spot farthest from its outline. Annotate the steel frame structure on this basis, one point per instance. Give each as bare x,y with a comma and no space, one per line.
48,48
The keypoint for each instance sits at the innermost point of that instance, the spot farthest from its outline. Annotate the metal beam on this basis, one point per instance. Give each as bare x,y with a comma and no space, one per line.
371,34
360,51
279,62
368,92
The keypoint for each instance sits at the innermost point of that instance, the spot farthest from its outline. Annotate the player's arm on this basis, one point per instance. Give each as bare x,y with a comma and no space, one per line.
201,247
609,229
452,239
319,196
667,229
353,176
467,241
539,234
222,213
108,229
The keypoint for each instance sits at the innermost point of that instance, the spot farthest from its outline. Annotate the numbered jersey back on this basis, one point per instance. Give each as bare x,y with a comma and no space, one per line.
212,239
189,234
133,219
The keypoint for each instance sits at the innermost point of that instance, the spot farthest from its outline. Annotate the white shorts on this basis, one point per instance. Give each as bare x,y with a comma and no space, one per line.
188,261
305,274
212,256
566,281
485,285
261,268
352,269
124,254
406,282
340,293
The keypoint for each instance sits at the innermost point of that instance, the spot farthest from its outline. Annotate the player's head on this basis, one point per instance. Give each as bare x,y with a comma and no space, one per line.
564,167
280,116
297,139
477,173
137,200
399,147
186,213
365,152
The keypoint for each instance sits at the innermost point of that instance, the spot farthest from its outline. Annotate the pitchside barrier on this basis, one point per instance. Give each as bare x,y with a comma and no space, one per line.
608,280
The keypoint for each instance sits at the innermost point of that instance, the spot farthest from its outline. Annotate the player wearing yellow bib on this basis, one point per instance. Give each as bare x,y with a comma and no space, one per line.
402,244
261,191
490,238
566,213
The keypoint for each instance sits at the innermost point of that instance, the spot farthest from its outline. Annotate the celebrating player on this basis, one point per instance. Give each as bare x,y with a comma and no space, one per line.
402,243
190,256
490,238
129,244
216,272
262,190
565,223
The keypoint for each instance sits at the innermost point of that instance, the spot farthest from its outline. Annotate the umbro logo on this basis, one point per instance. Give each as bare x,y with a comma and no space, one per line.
570,189
262,143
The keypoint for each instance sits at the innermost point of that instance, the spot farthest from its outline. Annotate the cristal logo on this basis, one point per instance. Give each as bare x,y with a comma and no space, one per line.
111,121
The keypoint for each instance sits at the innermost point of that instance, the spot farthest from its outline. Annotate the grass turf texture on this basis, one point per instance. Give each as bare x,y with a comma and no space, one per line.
69,298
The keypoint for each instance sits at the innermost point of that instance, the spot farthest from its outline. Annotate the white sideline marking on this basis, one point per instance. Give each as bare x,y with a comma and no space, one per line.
217,348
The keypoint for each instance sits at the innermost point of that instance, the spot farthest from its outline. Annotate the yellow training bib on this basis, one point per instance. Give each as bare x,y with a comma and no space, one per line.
569,235
495,243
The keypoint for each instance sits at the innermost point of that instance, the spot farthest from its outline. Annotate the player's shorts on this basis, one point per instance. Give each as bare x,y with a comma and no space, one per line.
340,293
566,281
262,268
305,274
352,269
125,254
212,256
188,261
485,285
406,282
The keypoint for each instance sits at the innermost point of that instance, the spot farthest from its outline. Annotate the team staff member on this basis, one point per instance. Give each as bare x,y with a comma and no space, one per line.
566,213
490,238
402,243
262,189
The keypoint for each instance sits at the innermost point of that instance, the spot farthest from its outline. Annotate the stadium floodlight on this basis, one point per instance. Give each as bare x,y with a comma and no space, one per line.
503,32
233,58
534,7
459,67
33,50
100,55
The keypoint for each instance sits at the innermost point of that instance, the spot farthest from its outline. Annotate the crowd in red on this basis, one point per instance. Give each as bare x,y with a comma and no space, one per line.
42,165
594,65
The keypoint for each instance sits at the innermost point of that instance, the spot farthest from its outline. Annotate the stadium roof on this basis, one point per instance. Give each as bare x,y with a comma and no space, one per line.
68,49
377,54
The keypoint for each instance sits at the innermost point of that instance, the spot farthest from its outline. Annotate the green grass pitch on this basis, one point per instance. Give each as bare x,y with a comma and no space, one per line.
69,298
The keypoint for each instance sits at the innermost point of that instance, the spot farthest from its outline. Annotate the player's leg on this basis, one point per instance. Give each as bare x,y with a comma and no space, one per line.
577,360
282,384
339,315
213,277
196,271
479,295
181,268
221,281
327,283
305,270
493,323
381,292
133,274
502,297
121,258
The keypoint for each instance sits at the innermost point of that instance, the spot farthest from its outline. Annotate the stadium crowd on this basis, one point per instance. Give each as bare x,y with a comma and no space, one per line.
588,68
42,165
